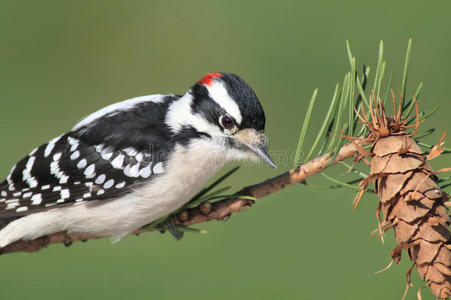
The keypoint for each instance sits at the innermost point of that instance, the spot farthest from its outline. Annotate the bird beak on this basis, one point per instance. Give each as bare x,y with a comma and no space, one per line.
255,142
263,154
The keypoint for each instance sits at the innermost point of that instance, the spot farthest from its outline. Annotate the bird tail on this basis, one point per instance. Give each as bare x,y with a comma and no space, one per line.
5,194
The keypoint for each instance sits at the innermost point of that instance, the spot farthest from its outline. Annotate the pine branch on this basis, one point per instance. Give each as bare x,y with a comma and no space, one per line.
220,210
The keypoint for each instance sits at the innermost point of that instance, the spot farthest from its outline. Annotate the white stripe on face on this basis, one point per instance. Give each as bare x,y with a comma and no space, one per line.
180,114
219,94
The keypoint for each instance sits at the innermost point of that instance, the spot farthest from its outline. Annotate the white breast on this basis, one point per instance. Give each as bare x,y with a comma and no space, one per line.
188,171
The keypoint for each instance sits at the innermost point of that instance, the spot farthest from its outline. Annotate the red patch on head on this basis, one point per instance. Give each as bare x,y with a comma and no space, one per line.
208,79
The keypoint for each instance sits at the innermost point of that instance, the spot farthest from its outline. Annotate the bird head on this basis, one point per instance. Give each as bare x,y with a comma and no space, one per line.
223,110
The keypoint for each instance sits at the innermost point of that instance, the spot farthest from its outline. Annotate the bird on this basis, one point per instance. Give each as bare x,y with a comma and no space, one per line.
133,162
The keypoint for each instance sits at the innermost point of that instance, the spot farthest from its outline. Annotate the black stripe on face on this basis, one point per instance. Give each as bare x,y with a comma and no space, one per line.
204,105
187,134
250,107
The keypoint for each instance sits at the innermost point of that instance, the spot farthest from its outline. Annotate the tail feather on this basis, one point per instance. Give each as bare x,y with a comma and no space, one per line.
5,194
10,234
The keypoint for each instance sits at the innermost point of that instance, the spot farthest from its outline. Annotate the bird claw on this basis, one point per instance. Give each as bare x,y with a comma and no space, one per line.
67,242
171,227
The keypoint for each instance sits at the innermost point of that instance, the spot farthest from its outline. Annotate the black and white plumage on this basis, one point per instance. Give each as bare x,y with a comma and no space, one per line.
132,162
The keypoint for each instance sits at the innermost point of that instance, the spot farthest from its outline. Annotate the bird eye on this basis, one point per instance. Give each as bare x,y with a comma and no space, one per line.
227,122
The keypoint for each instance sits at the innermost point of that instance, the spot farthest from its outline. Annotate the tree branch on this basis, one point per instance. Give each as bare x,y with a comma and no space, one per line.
220,210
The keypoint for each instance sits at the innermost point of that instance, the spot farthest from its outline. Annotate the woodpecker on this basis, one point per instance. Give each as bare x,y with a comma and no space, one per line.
132,162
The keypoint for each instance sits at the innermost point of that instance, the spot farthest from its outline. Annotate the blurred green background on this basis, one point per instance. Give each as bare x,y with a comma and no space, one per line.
61,60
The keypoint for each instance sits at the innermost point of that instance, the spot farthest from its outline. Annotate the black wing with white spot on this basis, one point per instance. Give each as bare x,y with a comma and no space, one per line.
119,149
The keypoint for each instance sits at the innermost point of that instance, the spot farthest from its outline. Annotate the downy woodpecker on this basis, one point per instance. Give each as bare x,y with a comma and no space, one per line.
132,162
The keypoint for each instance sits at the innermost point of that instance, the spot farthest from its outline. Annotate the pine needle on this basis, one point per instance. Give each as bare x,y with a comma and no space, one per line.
298,153
380,67
387,92
332,121
405,72
214,184
407,109
362,91
352,104
339,182
325,124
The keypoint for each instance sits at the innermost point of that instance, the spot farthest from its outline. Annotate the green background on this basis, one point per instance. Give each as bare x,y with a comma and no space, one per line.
61,60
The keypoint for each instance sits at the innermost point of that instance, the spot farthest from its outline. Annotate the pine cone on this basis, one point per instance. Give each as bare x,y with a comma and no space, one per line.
411,201
413,204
